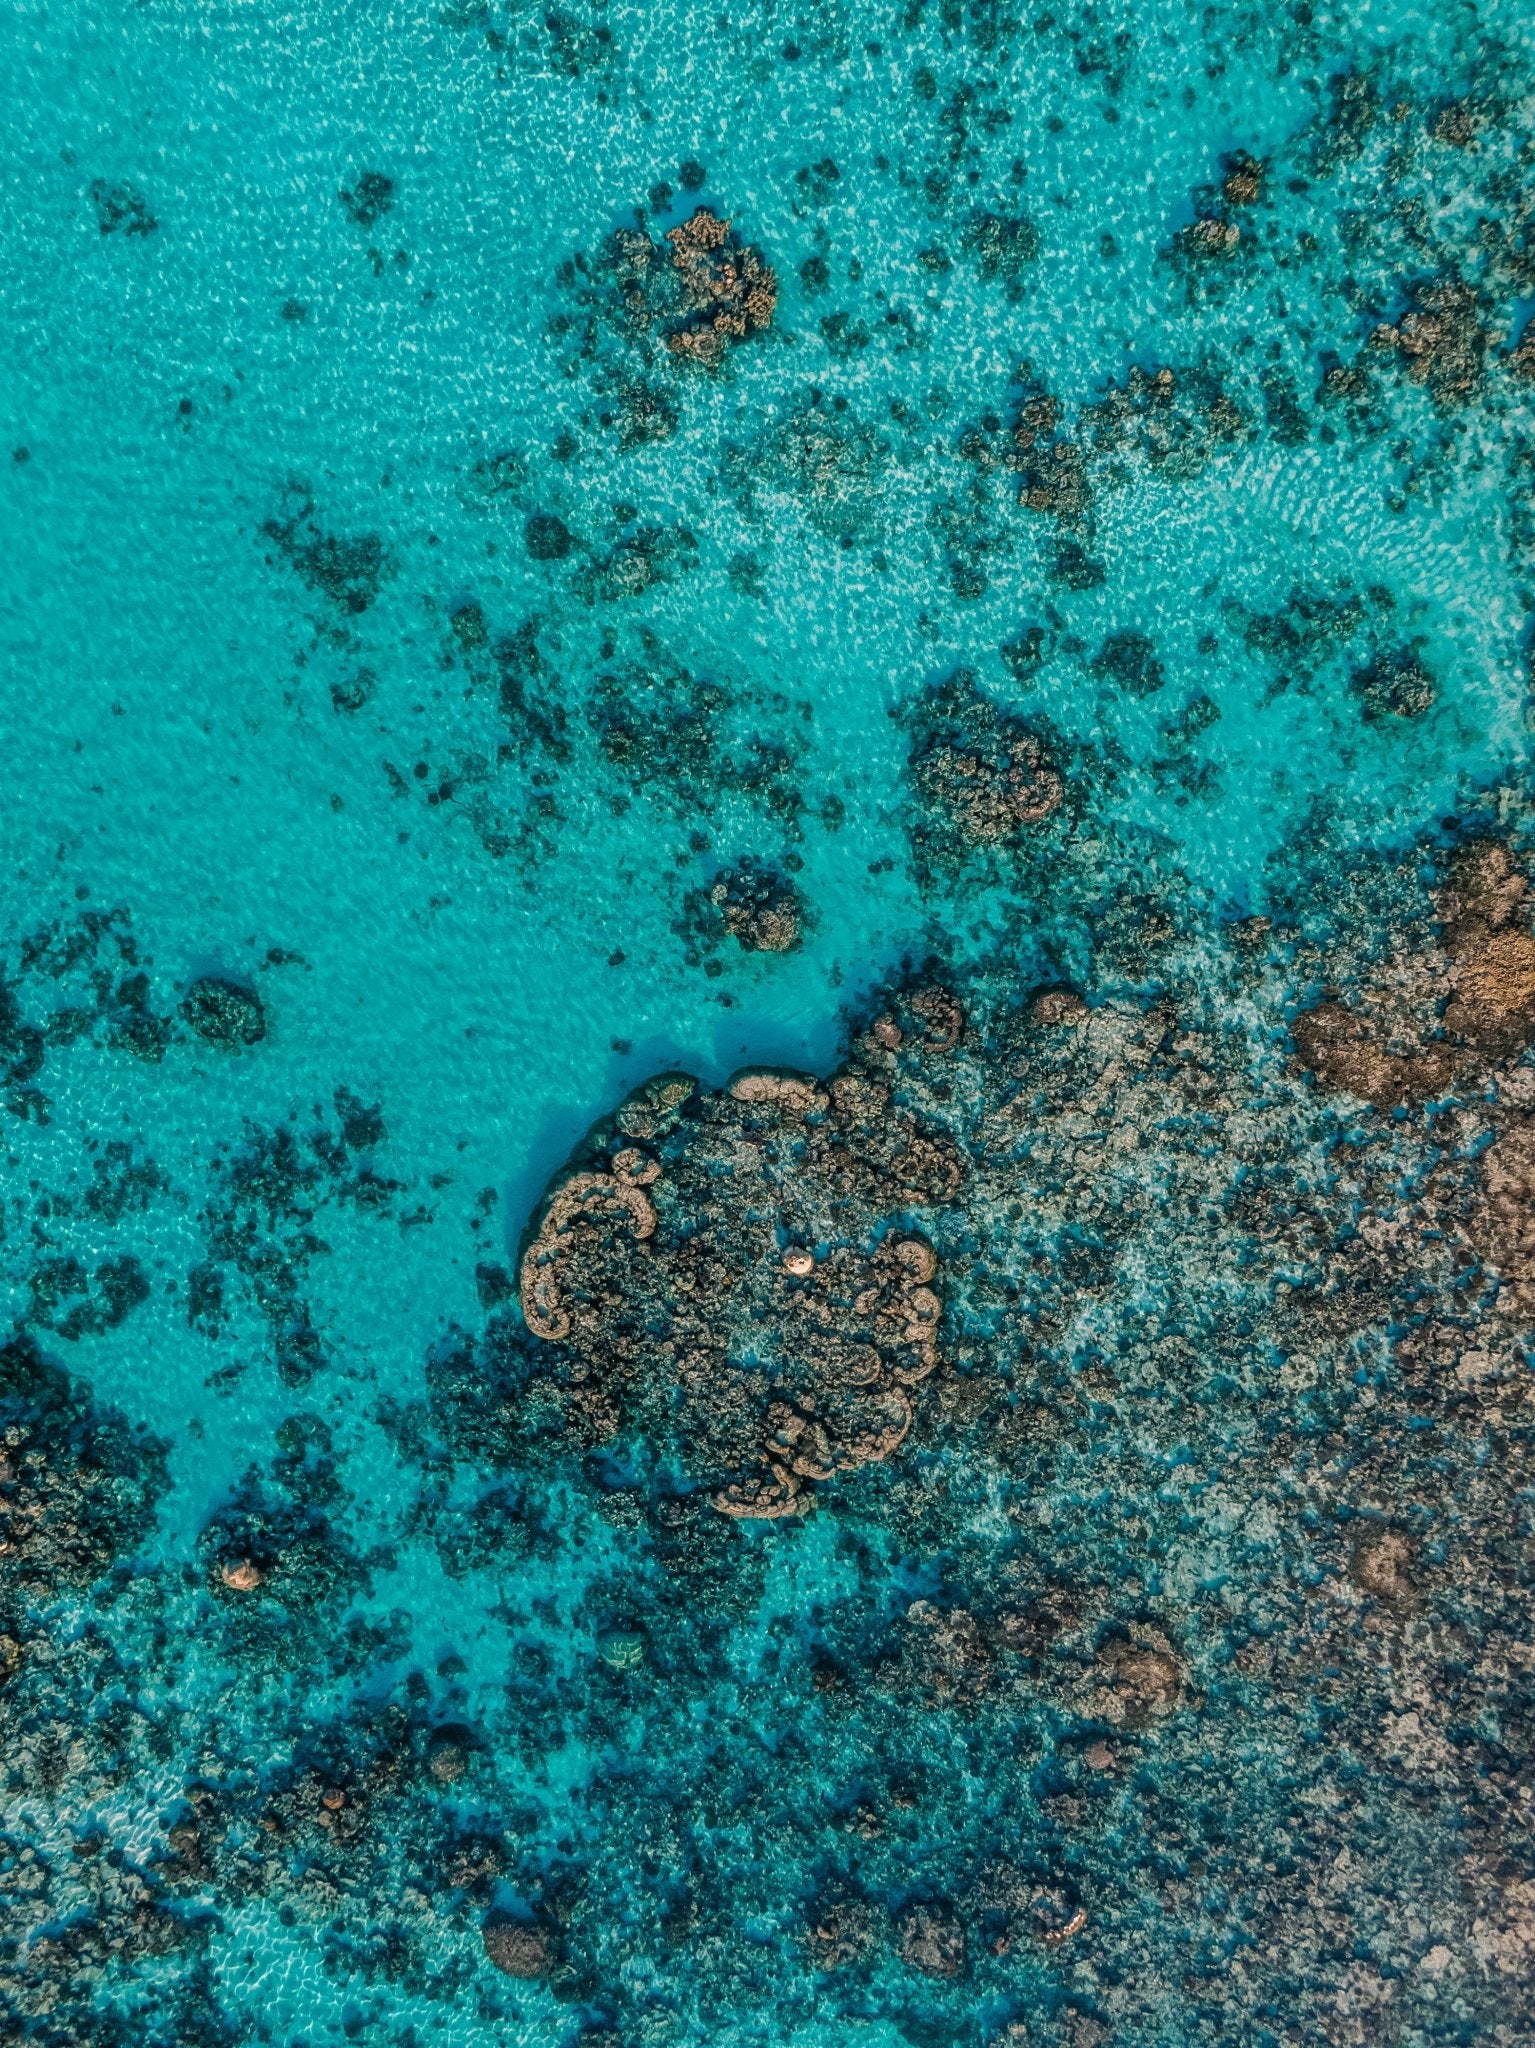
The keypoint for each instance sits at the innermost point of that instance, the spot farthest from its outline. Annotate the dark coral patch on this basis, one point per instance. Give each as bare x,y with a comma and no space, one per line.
224,1013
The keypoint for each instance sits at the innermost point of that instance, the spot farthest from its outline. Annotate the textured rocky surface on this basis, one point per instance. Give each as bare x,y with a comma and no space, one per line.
925,612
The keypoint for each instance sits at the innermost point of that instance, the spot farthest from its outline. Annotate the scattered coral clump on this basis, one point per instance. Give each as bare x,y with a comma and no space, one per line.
758,908
825,457
1176,420
982,774
1440,340
728,291
1052,471
225,1013
700,291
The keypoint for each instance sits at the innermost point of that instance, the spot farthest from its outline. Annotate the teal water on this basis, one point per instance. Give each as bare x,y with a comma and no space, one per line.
291,700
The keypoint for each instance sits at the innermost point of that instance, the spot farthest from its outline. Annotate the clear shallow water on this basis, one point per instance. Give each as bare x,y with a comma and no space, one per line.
340,804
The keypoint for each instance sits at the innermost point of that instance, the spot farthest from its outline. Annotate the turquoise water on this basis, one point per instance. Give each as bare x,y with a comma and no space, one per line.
296,698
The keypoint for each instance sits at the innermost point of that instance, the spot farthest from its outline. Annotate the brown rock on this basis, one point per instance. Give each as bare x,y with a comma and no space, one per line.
1382,1566
1344,1050
1494,1001
243,1577
1145,1678
932,1941
518,1949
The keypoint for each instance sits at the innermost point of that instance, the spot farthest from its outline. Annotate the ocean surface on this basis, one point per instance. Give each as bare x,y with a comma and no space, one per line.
400,639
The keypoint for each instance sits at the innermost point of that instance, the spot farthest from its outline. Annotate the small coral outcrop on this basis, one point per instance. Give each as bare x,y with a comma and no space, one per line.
700,291
982,775
758,907
729,290
224,1013
1440,341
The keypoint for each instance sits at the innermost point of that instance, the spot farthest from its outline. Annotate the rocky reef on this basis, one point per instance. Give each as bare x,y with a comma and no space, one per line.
1086,1431
780,1356
982,774
1213,1332
1019,1536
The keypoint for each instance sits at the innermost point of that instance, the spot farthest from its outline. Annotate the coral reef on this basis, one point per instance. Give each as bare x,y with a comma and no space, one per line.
84,977
982,773
753,903
78,1487
224,1013
347,569
1241,1502
779,1357
266,1195
121,208
822,455
1440,340
1017,1538
368,199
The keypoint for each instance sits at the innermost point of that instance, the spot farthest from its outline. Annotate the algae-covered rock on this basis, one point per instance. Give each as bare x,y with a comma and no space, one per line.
519,1949
227,1014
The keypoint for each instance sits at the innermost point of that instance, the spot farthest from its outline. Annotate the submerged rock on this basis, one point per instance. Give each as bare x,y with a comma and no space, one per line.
1395,684
759,908
517,1948
982,774
225,1013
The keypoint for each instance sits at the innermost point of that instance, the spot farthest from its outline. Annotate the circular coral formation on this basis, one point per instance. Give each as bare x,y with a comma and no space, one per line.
579,1208
1394,685
518,1949
547,537
659,1270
